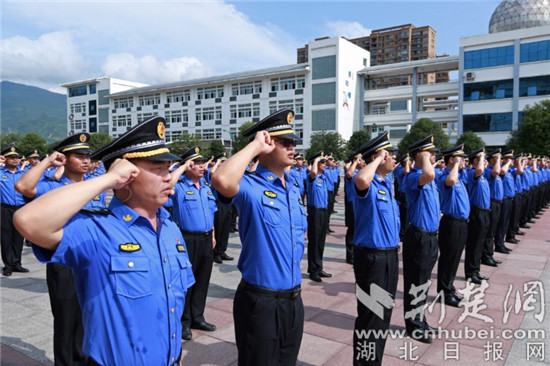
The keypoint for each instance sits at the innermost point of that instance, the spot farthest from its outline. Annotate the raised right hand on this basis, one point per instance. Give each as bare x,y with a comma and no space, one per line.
265,142
123,173
57,159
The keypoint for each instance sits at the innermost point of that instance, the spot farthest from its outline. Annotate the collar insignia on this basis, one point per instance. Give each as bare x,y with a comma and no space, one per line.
126,217
96,198
270,194
129,247
180,248
270,177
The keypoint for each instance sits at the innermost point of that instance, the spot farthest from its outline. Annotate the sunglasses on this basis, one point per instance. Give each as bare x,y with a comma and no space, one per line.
286,142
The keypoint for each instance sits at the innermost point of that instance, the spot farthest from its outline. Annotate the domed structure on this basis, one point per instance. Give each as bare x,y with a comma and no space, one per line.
518,14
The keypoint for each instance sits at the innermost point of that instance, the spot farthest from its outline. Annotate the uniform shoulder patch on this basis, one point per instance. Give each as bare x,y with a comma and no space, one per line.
270,194
96,211
129,247
208,184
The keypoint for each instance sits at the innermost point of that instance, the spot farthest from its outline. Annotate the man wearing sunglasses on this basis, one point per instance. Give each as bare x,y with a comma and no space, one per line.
268,310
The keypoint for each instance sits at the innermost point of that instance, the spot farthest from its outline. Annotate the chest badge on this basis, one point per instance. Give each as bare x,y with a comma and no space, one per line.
129,247
270,194
126,217
190,193
381,192
4,177
180,248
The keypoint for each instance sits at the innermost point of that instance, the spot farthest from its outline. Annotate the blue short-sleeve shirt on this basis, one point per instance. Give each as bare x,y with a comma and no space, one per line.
495,184
478,190
9,196
317,191
194,207
47,184
423,201
454,200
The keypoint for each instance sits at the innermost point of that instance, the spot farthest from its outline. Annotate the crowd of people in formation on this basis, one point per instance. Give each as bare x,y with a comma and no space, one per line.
129,280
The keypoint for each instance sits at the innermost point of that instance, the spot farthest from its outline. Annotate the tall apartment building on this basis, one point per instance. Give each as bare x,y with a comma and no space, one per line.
396,44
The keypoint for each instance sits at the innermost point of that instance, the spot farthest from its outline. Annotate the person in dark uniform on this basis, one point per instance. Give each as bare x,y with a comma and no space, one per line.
376,241
401,170
509,189
478,224
453,229
73,153
222,218
33,158
355,164
130,262
11,201
317,212
194,206
513,228
330,172
420,244
268,309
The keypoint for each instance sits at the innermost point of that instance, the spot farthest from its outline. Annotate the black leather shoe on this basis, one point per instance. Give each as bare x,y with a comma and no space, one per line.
519,232
324,274
482,277
20,268
218,259
349,261
6,271
186,334
333,211
452,300
474,279
497,261
420,336
502,250
226,257
513,241
525,226
536,217
489,262
531,221
315,277
330,230
203,326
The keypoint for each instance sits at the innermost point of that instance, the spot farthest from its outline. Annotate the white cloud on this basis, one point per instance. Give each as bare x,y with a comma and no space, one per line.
346,29
49,59
148,69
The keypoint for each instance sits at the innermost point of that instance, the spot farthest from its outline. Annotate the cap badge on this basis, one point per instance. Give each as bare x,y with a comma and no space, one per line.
388,135
289,118
126,217
12,149
197,149
82,137
432,139
161,130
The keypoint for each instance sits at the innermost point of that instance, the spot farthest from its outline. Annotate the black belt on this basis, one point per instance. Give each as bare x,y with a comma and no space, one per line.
496,201
9,206
429,233
455,218
197,233
285,294
317,208
481,209
359,249
508,198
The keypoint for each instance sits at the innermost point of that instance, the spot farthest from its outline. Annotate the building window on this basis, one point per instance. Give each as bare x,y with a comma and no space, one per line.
233,111
286,104
274,85
149,99
323,67
78,108
256,110
78,91
489,57
492,122
218,113
122,121
246,88
92,88
324,93
272,107
208,114
257,87
299,106
174,97
208,134
143,116
124,102
245,110
533,86
536,51
300,82
324,119
234,90
488,90
287,83
92,107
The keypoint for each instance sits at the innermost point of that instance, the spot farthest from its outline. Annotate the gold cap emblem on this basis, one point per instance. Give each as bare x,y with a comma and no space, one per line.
82,137
432,139
12,149
289,118
161,130
197,149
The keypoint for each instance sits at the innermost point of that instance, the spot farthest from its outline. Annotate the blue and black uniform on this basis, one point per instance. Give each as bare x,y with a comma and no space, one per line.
268,310
349,216
506,209
317,220
497,195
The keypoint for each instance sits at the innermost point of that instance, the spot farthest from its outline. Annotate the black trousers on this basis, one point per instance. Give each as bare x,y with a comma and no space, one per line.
477,231
419,257
234,215
350,231
502,226
403,208
331,198
489,248
222,225
12,241
380,268
513,224
524,217
199,248
452,240
316,236
68,331
268,330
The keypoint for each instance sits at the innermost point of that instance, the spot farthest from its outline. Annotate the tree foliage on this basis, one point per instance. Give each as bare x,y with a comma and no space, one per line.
422,128
98,140
184,142
215,148
328,142
357,139
11,139
533,133
239,142
471,141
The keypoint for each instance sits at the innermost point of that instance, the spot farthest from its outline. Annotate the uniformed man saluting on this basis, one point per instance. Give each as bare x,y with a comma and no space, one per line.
130,263
268,310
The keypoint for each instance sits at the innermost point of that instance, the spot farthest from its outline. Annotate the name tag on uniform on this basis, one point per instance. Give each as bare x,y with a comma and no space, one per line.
129,247
270,194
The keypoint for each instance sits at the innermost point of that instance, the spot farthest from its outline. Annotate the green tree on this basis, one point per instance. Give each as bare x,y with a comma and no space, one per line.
328,142
357,139
471,141
239,142
32,141
533,133
98,140
215,148
422,128
184,142
11,139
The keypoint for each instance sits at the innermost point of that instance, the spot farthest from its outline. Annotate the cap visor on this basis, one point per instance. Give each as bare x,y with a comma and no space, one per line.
289,136
393,148
80,151
163,157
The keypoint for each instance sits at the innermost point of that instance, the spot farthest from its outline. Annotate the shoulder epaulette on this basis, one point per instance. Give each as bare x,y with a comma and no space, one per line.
248,172
96,211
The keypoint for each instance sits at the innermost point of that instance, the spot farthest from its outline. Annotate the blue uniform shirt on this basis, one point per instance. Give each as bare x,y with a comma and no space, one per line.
399,177
297,174
317,192
454,200
47,184
272,223
376,215
348,186
9,196
495,184
423,202
330,175
193,207
478,189
131,283
508,183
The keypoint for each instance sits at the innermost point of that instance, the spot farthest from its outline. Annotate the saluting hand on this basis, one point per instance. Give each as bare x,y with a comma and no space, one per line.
265,142
57,159
123,173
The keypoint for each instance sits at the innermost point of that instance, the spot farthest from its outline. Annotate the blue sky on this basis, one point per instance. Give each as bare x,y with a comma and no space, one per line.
47,43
